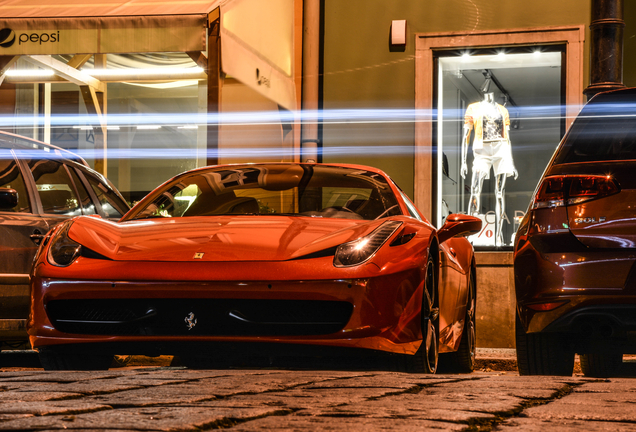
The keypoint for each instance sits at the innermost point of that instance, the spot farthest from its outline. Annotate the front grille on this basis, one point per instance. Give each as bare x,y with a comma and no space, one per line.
199,317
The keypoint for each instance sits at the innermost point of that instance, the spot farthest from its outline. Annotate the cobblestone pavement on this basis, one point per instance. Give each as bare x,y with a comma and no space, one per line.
151,398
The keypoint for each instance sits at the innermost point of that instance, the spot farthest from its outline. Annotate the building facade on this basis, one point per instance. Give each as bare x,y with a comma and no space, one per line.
425,103
145,90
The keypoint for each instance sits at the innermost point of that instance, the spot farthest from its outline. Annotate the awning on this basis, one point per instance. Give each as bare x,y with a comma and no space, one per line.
256,36
260,56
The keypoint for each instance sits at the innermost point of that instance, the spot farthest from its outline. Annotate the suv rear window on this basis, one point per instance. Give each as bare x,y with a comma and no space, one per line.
601,132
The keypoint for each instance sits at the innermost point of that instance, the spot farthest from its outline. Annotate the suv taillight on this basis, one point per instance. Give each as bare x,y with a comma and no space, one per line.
567,190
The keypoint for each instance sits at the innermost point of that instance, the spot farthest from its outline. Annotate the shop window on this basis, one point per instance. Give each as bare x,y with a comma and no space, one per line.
499,120
55,188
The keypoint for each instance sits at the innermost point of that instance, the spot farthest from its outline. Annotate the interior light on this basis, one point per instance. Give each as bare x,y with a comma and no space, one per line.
188,127
83,127
537,52
149,127
112,127
466,55
501,54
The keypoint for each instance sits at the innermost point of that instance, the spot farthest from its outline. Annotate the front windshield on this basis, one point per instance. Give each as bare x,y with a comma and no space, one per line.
292,190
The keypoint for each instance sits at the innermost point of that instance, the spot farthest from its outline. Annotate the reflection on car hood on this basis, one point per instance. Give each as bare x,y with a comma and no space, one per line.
218,238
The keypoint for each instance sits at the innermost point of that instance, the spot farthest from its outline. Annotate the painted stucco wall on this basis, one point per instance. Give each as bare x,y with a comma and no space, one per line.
629,44
360,70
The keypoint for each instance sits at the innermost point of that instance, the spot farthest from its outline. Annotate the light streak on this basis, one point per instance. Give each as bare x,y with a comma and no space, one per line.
325,117
276,152
351,131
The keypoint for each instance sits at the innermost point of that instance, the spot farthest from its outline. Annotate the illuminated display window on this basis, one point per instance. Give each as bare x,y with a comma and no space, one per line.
500,116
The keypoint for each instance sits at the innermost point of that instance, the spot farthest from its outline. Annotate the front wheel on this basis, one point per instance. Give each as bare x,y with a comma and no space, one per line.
463,360
542,353
426,358
56,359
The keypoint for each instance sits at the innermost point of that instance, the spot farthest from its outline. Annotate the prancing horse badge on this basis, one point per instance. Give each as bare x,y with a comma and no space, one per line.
198,255
190,320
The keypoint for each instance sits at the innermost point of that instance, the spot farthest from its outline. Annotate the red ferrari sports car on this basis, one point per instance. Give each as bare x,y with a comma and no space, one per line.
264,258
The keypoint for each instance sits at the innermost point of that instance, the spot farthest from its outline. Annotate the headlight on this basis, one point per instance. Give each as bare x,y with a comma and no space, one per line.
63,251
361,250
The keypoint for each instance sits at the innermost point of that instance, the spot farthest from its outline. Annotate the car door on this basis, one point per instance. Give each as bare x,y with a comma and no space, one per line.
21,228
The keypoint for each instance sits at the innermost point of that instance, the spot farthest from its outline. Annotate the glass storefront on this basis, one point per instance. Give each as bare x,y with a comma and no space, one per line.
499,118
155,129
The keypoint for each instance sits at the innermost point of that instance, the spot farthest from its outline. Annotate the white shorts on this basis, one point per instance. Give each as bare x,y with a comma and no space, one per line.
495,154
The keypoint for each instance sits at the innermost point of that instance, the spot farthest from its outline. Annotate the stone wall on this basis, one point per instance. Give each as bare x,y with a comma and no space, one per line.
495,300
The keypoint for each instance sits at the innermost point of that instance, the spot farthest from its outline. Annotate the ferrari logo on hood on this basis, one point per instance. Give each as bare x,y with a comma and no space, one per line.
198,255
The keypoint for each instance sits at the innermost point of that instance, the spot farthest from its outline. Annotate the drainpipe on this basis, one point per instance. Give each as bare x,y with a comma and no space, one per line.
310,137
606,51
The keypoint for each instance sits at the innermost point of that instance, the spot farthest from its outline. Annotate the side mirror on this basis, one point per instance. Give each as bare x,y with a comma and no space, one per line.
8,199
458,224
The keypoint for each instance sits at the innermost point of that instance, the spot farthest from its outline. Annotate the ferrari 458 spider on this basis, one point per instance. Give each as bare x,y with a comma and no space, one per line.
269,257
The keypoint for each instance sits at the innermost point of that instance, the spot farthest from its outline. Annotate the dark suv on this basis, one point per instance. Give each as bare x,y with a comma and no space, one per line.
40,186
575,250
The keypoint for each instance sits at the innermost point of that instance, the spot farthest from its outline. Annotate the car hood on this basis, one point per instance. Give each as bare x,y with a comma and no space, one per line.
218,238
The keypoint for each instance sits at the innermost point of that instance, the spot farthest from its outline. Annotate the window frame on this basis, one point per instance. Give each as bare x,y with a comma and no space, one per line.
27,187
426,44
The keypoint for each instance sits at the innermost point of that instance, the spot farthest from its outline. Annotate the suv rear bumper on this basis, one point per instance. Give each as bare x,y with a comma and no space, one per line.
609,326
604,320
593,284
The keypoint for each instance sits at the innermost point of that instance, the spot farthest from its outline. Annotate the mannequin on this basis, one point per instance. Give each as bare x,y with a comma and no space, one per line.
491,149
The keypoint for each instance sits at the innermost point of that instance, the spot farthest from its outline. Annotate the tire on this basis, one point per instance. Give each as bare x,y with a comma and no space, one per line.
426,358
601,364
463,360
55,359
542,353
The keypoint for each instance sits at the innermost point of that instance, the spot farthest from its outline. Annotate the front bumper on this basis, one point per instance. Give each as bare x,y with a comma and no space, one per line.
356,313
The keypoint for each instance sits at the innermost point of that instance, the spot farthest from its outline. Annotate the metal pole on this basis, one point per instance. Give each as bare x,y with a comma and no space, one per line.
606,51
310,141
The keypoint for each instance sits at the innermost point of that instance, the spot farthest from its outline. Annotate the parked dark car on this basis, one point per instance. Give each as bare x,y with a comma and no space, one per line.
40,186
575,250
